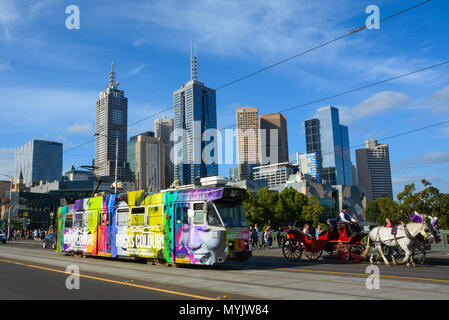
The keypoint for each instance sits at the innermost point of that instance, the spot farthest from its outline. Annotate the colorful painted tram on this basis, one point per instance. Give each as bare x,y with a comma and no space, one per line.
196,226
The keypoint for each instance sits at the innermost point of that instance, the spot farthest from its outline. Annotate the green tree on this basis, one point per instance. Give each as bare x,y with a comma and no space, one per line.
312,211
372,211
289,205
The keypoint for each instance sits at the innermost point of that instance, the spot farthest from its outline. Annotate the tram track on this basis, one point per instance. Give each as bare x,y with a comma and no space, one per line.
250,279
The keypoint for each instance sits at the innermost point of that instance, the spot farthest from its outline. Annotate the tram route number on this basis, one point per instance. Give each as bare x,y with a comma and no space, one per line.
233,309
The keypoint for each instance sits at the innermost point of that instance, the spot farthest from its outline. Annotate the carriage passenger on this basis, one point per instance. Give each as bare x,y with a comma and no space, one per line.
306,230
318,231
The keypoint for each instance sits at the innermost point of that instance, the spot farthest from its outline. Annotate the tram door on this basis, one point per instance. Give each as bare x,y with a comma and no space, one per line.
181,233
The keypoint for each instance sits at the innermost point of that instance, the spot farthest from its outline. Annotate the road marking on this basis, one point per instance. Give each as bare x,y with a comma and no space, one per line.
361,274
115,281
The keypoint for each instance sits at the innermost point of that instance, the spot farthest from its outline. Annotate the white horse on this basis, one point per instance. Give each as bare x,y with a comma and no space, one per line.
421,243
406,238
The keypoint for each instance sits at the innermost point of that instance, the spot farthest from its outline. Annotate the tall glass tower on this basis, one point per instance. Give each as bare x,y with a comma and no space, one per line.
195,130
39,160
330,140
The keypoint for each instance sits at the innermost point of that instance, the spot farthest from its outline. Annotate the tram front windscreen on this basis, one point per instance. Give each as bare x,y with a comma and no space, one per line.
231,214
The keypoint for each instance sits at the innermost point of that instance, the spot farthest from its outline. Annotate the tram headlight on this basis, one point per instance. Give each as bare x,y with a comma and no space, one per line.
231,245
246,244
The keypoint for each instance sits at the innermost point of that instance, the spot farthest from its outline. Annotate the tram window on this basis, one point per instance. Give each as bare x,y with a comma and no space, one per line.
90,223
78,220
155,216
68,222
212,216
232,214
199,217
138,216
185,217
122,217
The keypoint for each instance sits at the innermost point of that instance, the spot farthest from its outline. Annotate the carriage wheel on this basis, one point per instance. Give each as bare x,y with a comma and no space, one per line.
314,255
292,249
341,254
356,252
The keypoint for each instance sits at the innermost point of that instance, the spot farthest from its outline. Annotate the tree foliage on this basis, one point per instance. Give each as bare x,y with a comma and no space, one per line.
429,201
287,206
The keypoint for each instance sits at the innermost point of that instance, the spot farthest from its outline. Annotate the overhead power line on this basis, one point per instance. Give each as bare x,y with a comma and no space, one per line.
317,47
355,89
273,65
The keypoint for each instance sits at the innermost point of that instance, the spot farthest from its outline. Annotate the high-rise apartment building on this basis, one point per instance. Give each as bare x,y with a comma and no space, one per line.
195,130
247,120
39,160
373,170
330,140
111,124
131,153
150,172
273,139
308,165
163,128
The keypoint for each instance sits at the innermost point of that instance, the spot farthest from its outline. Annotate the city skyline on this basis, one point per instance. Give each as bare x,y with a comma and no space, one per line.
376,112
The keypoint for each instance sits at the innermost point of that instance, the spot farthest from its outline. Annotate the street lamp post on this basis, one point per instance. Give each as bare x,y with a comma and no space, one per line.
11,180
116,156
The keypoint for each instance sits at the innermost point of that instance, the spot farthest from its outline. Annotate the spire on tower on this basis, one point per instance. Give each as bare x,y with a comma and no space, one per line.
112,83
193,62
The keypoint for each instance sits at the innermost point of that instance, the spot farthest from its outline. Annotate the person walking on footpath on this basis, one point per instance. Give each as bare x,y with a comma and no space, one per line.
256,236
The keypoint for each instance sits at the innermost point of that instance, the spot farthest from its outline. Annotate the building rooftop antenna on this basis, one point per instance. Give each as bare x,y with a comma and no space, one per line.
193,62
112,82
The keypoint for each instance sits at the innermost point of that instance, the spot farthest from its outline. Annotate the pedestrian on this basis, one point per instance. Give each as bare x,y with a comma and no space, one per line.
268,237
256,236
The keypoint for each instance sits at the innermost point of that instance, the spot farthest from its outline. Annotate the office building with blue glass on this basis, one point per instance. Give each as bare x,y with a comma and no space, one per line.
195,131
39,160
330,140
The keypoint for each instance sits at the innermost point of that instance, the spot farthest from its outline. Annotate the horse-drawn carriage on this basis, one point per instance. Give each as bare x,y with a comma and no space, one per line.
343,245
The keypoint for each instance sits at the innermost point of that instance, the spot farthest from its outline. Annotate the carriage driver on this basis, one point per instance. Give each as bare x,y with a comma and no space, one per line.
345,217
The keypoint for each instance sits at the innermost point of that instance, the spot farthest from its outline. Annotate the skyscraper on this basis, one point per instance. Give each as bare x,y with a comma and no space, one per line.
150,163
273,139
39,160
326,136
373,170
247,120
163,128
111,123
131,153
195,130
308,165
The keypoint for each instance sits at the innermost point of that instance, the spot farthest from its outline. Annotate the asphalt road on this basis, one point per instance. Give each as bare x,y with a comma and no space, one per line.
27,271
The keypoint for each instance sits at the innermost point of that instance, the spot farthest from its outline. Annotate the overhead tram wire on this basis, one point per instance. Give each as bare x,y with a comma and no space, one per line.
314,101
273,65
317,47
355,89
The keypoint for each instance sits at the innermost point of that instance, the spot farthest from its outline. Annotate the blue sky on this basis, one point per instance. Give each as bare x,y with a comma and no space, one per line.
50,76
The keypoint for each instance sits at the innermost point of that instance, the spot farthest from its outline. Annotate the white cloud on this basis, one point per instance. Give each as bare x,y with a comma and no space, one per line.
80,128
5,67
139,42
430,158
137,70
376,104
439,101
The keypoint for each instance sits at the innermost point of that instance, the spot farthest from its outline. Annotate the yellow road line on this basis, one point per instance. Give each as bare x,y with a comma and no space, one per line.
115,281
361,274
